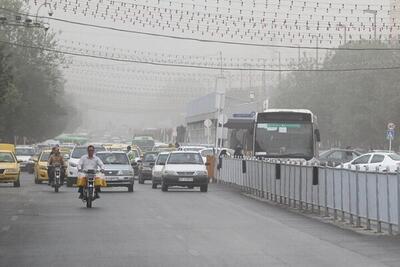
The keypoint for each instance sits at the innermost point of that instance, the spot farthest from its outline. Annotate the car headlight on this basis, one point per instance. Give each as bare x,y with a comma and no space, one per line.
201,173
73,165
12,170
169,172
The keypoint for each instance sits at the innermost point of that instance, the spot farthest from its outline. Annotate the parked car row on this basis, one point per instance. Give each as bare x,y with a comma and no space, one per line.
382,161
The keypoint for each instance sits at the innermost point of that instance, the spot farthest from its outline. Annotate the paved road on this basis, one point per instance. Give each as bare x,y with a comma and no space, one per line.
179,228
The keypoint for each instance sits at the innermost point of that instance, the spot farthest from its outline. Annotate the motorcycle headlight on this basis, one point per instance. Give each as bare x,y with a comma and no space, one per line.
11,170
201,173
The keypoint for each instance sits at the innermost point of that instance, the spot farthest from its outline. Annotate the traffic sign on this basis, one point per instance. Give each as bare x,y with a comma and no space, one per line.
390,134
207,123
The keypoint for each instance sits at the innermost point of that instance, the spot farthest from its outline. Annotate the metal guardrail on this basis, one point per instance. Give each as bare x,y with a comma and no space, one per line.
360,197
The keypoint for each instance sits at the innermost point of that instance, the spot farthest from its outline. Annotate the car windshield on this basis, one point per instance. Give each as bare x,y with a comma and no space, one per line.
113,158
284,140
395,157
185,158
151,157
45,156
161,159
6,157
79,152
24,151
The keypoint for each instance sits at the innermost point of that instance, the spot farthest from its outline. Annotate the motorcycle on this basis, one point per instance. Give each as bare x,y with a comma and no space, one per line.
89,189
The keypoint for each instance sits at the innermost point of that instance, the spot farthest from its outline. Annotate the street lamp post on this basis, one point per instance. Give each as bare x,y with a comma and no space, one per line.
373,12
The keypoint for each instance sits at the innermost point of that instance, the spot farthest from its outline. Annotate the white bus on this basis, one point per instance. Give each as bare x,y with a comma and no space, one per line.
286,133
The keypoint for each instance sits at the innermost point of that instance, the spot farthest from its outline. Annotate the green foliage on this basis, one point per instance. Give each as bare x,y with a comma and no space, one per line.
32,102
353,108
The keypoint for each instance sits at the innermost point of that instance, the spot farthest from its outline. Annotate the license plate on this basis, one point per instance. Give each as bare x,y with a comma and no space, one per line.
185,179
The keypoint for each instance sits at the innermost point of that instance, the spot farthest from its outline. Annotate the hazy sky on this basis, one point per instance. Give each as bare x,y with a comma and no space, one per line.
111,79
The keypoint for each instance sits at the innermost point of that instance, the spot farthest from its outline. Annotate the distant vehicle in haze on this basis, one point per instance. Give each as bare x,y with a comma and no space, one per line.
146,143
74,157
184,169
286,134
164,148
337,156
375,161
24,154
158,167
118,171
146,166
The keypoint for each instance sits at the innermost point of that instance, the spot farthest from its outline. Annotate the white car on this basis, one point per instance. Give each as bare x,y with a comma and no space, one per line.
185,169
158,168
24,154
373,161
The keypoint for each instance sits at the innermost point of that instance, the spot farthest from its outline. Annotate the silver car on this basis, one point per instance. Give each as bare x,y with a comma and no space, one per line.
118,170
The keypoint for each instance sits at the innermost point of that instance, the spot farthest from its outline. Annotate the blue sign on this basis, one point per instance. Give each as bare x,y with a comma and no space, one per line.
390,134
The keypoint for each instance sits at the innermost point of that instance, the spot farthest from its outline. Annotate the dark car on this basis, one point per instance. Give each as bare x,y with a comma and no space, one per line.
337,156
146,166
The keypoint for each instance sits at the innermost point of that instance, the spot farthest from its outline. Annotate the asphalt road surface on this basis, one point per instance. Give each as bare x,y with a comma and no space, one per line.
178,228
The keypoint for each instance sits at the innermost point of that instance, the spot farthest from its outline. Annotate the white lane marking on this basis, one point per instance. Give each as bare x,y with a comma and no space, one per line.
14,218
5,228
193,252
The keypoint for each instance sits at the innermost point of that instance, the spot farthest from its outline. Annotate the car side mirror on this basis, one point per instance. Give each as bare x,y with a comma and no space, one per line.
66,156
317,135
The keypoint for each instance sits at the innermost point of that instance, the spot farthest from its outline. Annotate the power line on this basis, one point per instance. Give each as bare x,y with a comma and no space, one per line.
208,40
196,66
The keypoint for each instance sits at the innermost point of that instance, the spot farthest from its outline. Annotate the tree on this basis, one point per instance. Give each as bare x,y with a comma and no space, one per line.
31,84
353,108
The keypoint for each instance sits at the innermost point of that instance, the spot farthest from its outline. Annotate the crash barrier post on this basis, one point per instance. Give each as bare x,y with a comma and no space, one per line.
362,197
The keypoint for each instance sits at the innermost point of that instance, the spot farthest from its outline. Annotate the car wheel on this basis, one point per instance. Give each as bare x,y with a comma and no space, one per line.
164,187
204,188
154,186
130,188
17,183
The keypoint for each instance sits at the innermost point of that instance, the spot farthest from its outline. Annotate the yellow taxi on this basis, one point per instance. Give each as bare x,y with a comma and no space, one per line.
9,166
40,168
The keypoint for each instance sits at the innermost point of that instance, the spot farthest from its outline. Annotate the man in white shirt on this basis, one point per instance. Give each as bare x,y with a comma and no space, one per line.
90,162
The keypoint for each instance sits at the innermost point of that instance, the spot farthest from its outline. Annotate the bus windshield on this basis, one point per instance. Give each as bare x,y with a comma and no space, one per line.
284,140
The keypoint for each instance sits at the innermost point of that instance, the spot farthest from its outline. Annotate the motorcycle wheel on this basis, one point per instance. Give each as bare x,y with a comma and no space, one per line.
56,188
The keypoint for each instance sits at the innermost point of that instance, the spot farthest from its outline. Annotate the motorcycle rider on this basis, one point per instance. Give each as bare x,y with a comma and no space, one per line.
90,162
55,159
